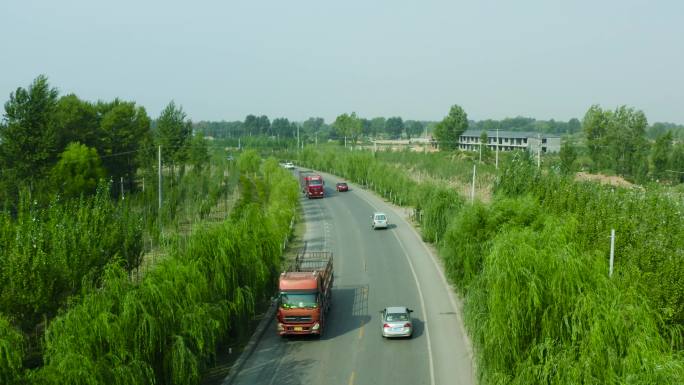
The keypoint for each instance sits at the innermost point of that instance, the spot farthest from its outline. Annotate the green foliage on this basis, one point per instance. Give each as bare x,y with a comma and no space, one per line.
451,127
11,352
394,126
677,163
76,121
173,133
78,171
165,329
198,153
28,136
518,174
568,155
248,162
563,320
521,123
533,269
348,126
660,157
124,128
616,141
50,253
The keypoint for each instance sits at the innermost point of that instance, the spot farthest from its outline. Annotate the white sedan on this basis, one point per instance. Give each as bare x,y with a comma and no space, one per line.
379,221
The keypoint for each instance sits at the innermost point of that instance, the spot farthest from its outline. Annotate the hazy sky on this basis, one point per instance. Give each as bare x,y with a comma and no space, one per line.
300,58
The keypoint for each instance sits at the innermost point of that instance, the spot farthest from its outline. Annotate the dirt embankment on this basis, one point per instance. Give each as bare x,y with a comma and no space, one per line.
603,179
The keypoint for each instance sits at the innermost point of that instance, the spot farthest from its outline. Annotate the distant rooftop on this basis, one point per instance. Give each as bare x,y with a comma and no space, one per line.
509,134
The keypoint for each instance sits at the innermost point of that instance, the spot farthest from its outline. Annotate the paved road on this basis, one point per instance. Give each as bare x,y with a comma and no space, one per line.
373,269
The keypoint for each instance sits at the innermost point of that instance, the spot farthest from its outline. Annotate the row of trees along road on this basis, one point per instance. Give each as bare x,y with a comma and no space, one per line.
618,142
62,144
315,129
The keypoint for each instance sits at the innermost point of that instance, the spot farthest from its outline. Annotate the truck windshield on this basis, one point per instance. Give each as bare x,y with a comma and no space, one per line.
315,182
298,300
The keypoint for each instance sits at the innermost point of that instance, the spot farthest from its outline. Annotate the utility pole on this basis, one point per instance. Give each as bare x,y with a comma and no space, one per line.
480,151
612,252
472,189
345,141
497,148
538,151
122,192
316,135
160,181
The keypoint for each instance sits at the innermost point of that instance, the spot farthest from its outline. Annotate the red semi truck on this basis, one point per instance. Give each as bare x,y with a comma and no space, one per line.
305,294
312,184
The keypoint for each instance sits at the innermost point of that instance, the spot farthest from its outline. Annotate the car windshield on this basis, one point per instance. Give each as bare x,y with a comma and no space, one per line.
315,182
341,184
379,217
297,300
396,317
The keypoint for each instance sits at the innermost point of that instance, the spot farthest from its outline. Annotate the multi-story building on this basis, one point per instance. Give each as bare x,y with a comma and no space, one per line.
510,140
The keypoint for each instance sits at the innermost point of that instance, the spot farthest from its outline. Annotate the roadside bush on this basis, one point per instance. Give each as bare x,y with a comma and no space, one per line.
544,311
11,352
165,329
50,252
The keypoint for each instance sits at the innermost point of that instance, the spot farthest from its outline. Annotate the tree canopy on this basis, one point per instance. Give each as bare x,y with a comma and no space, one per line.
451,127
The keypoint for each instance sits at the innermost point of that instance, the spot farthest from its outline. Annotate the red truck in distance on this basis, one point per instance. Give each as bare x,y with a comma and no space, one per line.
305,291
312,184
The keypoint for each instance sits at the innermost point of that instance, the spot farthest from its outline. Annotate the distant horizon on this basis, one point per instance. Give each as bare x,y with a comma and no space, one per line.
326,120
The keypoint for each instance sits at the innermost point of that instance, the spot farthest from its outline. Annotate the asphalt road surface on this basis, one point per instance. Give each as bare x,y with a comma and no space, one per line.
373,269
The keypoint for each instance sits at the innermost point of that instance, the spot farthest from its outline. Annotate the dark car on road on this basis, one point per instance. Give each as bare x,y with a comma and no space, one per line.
342,186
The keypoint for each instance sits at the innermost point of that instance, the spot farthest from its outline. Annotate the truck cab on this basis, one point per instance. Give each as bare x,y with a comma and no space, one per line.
304,294
315,187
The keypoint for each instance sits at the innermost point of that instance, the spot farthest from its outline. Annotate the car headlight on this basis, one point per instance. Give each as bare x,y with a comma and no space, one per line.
316,326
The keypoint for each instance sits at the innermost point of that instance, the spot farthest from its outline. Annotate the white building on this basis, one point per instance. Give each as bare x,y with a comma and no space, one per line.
510,140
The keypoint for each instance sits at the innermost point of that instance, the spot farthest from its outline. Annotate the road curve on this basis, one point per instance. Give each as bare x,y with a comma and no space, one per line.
373,269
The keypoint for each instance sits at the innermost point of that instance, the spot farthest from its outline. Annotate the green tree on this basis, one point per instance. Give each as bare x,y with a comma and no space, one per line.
250,125
75,121
282,127
394,126
414,128
365,127
451,127
348,126
568,154
377,126
263,125
249,162
595,126
198,152
677,163
626,143
28,138
78,171
313,128
484,144
173,134
124,130
574,126
660,156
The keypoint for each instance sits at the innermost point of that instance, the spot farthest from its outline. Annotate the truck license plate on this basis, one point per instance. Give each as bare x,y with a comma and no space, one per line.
298,328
